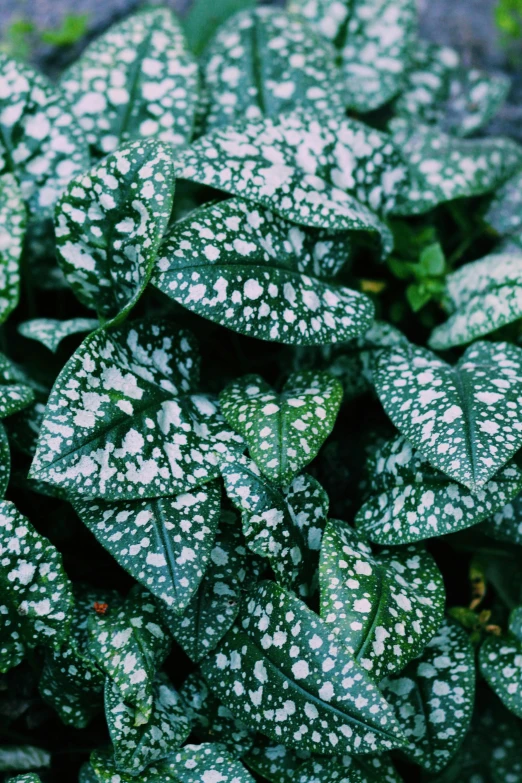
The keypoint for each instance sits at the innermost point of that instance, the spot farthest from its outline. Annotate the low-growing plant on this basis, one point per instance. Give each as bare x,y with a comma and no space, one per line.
261,401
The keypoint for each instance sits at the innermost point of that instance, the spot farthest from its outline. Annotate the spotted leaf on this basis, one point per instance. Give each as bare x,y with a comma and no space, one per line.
13,222
109,226
35,593
40,142
284,431
333,175
264,61
211,720
50,332
120,422
71,682
136,81
129,643
5,461
274,762
206,763
440,91
135,747
348,769
443,168
284,526
505,210
216,604
434,697
15,392
164,543
409,500
28,777
501,663
506,524
464,418
381,607
279,670
481,297
246,268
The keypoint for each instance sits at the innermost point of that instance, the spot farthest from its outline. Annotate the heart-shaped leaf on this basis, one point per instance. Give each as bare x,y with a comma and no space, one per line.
284,431
216,603
247,269
50,332
501,663
164,543
35,593
440,91
381,607
135,82
120,423
409,500
109,226
280,672
129,642
463,419
443,168
263,62
135,747
434,697
13,222
283,526
481,297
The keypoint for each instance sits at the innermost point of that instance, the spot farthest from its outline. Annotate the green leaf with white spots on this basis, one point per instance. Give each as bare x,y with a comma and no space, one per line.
383,607
330,19
284,431
216,604
135,747
500,660
433,696
71,682
443,168
263,62
211,720
481,297
251,271
5,461
14,758
409,500
129,643
279,670
284,526
506,524
50,332
15,392
23,428
40,142
120,422
35,593
206,763
30,777
334,175
109,226
275,762
440,91
164,543
136,81
505,210
13,222
464,419
347,769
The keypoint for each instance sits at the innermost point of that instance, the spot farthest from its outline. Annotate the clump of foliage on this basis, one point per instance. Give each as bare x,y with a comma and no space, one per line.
264,521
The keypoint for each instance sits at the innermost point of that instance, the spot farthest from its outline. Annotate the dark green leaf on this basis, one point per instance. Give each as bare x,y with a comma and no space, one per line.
13,222
14,758
501,663
50,332
15,393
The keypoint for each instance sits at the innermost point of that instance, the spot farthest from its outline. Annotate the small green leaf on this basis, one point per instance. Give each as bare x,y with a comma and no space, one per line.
279,671
263,62
247,269
71,30
284,431
443,168
462,419
14,758
109,226
50,332
382,608
481,297
136,81
35,593
135,747
164,543
434,697
216,603
500,661
13,221
409,500
129,643
15,393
